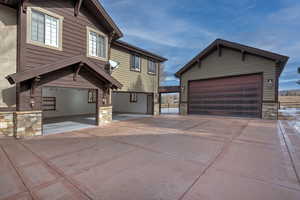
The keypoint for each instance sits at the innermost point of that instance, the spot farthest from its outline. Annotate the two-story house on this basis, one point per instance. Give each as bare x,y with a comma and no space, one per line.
63,58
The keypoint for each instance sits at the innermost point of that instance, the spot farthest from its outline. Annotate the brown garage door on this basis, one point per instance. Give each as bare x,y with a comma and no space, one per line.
234,96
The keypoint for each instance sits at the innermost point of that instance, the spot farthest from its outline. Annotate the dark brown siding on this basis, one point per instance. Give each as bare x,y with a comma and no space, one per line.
60,78
74,34
233,96
73,44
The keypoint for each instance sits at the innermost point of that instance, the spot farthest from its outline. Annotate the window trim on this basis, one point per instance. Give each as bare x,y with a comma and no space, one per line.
131,62
133,100
92,96
52,104
156,66
88,30
60,28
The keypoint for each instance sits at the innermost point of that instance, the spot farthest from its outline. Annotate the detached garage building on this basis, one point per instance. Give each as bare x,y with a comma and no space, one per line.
230,79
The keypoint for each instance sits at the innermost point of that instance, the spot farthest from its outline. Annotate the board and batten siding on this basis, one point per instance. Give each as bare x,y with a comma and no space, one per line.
8,54
133,81
231,64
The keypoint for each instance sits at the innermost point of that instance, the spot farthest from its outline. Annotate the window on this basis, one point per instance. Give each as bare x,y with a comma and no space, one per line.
44,28
92,96
97,44
151,67
135,63
49,104
133,98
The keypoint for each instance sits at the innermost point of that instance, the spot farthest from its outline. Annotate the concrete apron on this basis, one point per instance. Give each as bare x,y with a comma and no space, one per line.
181,158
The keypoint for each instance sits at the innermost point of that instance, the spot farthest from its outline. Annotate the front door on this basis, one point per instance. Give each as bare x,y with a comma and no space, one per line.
150,104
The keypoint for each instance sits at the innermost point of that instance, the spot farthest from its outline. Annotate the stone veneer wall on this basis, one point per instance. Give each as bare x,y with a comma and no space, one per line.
28,124
7,123
183,109
105,115
270,111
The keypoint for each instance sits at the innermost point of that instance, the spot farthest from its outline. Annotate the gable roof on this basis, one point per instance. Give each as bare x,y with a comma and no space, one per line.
108,20
32,73
94,5
138,50
279,59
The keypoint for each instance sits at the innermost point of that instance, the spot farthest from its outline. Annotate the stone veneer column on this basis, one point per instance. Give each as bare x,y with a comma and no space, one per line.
183,109
28,123
105,115
156,109
270,111
7,123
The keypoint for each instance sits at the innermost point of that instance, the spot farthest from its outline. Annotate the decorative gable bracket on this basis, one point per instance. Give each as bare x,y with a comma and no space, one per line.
77,7
23,5
77,70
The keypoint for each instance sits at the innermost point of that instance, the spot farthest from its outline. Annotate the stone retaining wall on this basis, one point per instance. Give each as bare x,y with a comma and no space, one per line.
7,123
105,115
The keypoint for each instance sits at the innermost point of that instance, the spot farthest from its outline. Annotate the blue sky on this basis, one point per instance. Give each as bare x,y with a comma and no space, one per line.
179,29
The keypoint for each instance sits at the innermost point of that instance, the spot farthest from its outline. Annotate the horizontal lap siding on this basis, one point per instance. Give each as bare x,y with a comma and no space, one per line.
231,64
73,38
133,81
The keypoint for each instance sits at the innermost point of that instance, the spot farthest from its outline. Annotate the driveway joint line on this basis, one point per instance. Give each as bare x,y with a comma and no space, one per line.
58,172
257,179
170,155
225,147
201,123
290,150
18,173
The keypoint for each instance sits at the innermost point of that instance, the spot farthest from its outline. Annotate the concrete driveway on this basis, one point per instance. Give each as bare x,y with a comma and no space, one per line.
159,158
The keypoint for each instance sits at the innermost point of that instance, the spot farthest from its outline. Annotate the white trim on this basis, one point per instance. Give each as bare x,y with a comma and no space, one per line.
88,30
60,31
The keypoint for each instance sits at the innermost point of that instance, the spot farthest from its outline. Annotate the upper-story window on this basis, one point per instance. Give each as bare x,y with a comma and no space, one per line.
151,67
97,44
135,63
44,28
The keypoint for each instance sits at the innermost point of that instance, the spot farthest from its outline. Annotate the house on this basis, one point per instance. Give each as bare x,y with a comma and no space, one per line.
138,72
62,59
231,79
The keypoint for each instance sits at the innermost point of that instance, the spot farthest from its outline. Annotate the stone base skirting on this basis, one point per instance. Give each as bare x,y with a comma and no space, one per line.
105,115
21,124
7,123
270,111
156,109
183,109
28,124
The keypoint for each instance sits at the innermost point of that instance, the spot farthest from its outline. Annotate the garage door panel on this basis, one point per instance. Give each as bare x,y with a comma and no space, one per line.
224,88
235,96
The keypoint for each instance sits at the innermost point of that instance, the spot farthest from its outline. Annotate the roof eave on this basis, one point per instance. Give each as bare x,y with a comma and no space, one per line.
25,75
268,55
139,50
109,20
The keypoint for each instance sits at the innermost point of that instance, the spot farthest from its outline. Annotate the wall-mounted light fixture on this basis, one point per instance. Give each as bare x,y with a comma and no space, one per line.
270,83
32,102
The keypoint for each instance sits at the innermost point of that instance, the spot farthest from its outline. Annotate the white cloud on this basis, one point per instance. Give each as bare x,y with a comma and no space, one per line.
171,78
289,81
154,24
